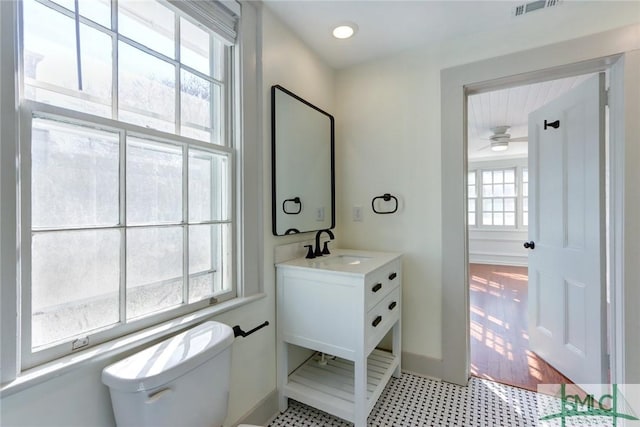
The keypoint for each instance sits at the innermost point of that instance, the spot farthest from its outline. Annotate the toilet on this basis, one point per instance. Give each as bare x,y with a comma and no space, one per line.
182,381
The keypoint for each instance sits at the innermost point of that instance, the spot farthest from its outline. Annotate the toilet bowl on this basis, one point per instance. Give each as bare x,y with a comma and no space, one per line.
182,381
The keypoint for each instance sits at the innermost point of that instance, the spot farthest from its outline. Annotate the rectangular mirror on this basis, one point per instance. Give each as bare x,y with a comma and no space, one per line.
303,182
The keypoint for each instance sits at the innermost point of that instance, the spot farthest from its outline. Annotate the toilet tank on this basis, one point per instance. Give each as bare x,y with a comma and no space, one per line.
182,381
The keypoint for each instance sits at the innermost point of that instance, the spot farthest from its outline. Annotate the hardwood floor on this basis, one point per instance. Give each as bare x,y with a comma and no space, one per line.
499,336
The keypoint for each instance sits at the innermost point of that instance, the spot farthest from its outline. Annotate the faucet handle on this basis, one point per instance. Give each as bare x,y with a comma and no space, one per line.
310,254
325,250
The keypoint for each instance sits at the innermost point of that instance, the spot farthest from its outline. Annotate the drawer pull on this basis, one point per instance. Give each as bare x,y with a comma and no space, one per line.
376,321
392,305
393,276
377,287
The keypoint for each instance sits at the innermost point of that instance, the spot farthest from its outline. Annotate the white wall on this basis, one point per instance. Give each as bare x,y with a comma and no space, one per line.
79,398
498,247
389,140
288,62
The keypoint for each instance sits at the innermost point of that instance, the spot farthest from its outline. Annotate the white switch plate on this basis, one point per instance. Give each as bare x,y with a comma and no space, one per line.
357,213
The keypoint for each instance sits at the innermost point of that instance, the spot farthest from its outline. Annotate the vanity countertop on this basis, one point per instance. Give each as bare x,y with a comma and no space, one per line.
348,261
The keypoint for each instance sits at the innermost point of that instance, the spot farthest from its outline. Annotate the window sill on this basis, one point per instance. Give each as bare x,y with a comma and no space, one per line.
496,229
47,371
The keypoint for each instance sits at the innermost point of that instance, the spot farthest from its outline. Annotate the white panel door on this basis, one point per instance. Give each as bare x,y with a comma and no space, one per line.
567,304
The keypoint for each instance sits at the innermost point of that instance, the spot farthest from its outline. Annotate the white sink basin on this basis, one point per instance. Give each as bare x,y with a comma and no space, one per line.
349,261
346,259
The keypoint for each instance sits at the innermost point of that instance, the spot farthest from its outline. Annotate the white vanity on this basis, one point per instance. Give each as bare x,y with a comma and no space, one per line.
342,305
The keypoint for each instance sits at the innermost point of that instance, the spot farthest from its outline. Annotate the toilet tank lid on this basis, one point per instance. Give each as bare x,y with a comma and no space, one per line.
169,359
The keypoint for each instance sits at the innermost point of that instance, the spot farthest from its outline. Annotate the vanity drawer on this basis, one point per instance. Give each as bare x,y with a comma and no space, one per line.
381,317
379,283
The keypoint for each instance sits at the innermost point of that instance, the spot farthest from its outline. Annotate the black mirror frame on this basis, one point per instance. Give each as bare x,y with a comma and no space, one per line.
274,204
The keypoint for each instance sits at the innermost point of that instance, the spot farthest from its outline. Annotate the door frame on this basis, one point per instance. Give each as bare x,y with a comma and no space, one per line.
617,51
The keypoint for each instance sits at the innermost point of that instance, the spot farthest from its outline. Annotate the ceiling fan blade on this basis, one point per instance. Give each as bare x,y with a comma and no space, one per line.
485,147
519,139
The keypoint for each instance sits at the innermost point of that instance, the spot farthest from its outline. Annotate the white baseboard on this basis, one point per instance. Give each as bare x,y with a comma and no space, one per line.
420,365
263,413
498,259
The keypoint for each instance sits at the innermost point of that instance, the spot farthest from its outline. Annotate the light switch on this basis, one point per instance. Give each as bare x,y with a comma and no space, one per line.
320,214
357,213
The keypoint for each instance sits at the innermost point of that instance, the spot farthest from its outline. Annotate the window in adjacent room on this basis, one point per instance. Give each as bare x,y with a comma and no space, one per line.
497,197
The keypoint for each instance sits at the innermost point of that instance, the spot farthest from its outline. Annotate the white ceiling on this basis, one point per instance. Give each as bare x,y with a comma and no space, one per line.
390,26
509,107
387,27
384,27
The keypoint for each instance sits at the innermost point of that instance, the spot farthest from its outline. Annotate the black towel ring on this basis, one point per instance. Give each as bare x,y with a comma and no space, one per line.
295,200
386,197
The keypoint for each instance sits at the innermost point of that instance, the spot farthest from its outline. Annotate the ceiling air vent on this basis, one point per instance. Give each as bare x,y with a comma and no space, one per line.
533,6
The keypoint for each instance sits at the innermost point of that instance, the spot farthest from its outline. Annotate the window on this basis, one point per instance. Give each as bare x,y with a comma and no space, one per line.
150,66
127,209
495,199
498,197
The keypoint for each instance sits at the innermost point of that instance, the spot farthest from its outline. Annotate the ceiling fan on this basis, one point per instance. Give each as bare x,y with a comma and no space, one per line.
500,139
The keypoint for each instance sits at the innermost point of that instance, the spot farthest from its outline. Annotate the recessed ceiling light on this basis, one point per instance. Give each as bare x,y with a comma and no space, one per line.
344,31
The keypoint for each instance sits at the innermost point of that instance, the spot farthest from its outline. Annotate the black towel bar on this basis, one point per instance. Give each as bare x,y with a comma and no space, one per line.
238,332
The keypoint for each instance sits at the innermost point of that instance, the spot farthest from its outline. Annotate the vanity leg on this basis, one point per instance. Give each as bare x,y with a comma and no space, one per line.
360,392
397,347
283,362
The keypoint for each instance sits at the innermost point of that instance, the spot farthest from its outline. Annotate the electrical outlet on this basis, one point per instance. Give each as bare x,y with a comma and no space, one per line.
357,213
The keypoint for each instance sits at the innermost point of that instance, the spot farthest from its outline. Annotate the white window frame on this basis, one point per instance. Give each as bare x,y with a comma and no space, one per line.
14,357
518,164
224,83
31,358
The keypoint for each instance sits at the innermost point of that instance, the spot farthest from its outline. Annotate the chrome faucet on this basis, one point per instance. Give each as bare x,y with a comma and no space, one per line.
325,251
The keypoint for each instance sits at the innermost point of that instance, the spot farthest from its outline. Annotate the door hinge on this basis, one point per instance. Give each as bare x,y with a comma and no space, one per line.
606,97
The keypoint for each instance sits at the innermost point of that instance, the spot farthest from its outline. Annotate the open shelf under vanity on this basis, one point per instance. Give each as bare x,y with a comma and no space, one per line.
330,387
